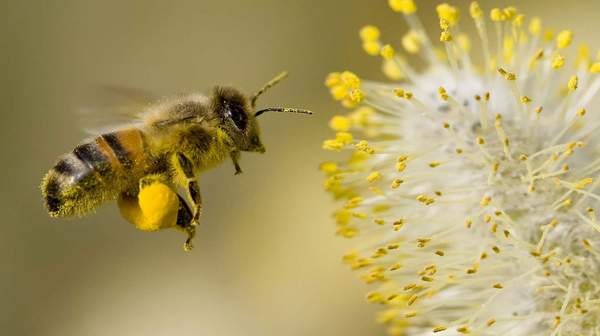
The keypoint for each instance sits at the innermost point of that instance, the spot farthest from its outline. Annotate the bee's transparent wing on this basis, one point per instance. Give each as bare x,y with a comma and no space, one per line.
106,107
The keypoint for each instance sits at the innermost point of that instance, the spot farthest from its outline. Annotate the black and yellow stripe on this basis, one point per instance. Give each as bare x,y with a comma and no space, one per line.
89,175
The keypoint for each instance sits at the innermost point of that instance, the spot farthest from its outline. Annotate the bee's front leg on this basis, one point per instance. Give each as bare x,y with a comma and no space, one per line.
189,182
235,158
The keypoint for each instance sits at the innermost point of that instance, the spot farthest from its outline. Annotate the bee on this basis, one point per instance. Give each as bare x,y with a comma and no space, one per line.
152,166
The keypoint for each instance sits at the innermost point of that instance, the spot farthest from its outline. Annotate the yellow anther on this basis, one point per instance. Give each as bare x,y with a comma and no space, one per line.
507,75
558,62
581,184
333,145
434,164
564,38
374,177
538,110
403,6
387,52
525,100
350,79
496,249
439,329
410,314
518,20
442,93
583,54
333,79
344,137
490,322
411,42
403,93
363,146
581,112
445,36
475,10
400,166
340,123
424,199
328,167
397,182
480,141
412,300
496,14
339,92
440,253
369,33
510,13
463,330
523,157
595,68
427,278
356,95
371,47
535,26
572,84
509,47
498,286
448,13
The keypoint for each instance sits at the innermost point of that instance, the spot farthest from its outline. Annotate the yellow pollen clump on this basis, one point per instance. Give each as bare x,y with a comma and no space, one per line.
344,137
333,79
475,10
535,26
328,167
333,145
558,62
573,82
510,13
445,36
424,199
442,93
595,68
350,79
340,123
401,93
463,330
391,69
434,164
439,329
448,13
357,96
564,38
387,52
411,42
363,146
396,183
581,112
374,177
369,33
371,47
525,100
497,15
583,183
403,6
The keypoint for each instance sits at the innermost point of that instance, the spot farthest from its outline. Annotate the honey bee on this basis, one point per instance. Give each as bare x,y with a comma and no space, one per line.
151,166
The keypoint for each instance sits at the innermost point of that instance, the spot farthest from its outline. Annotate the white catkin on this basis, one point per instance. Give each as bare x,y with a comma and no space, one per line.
470,191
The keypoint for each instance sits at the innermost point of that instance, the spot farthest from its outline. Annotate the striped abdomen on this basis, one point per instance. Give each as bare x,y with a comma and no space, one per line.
93,172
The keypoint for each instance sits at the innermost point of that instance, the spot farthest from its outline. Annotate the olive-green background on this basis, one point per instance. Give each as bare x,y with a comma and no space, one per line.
266,260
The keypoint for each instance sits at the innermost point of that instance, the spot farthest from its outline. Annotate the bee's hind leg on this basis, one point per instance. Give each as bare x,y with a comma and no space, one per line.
184,222
189,182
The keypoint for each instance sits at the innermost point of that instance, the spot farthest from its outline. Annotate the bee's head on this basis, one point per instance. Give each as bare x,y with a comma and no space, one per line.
238,115
236,118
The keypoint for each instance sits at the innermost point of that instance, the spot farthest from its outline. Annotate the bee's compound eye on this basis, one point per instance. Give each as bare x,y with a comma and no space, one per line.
238,115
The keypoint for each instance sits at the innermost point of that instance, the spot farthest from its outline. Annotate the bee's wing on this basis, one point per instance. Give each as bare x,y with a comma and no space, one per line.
107,107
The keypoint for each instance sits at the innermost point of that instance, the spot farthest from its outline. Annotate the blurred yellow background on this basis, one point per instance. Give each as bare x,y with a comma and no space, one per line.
266,260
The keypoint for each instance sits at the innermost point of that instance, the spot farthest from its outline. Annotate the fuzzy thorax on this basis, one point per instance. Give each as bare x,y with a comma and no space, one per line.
470,188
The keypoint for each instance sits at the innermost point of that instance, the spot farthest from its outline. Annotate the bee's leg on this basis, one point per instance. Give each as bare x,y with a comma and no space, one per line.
184,220
235,158
190,183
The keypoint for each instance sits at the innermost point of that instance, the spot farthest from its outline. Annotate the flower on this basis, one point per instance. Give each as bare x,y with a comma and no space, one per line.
471,188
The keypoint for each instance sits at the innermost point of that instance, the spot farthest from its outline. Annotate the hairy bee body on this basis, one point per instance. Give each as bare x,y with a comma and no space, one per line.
151,167
113,163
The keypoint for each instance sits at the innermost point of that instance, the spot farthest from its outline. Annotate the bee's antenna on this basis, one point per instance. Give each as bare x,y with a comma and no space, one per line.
267,86
282,109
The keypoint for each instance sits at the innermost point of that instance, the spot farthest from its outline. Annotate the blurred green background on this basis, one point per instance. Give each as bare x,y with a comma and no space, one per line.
266,260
